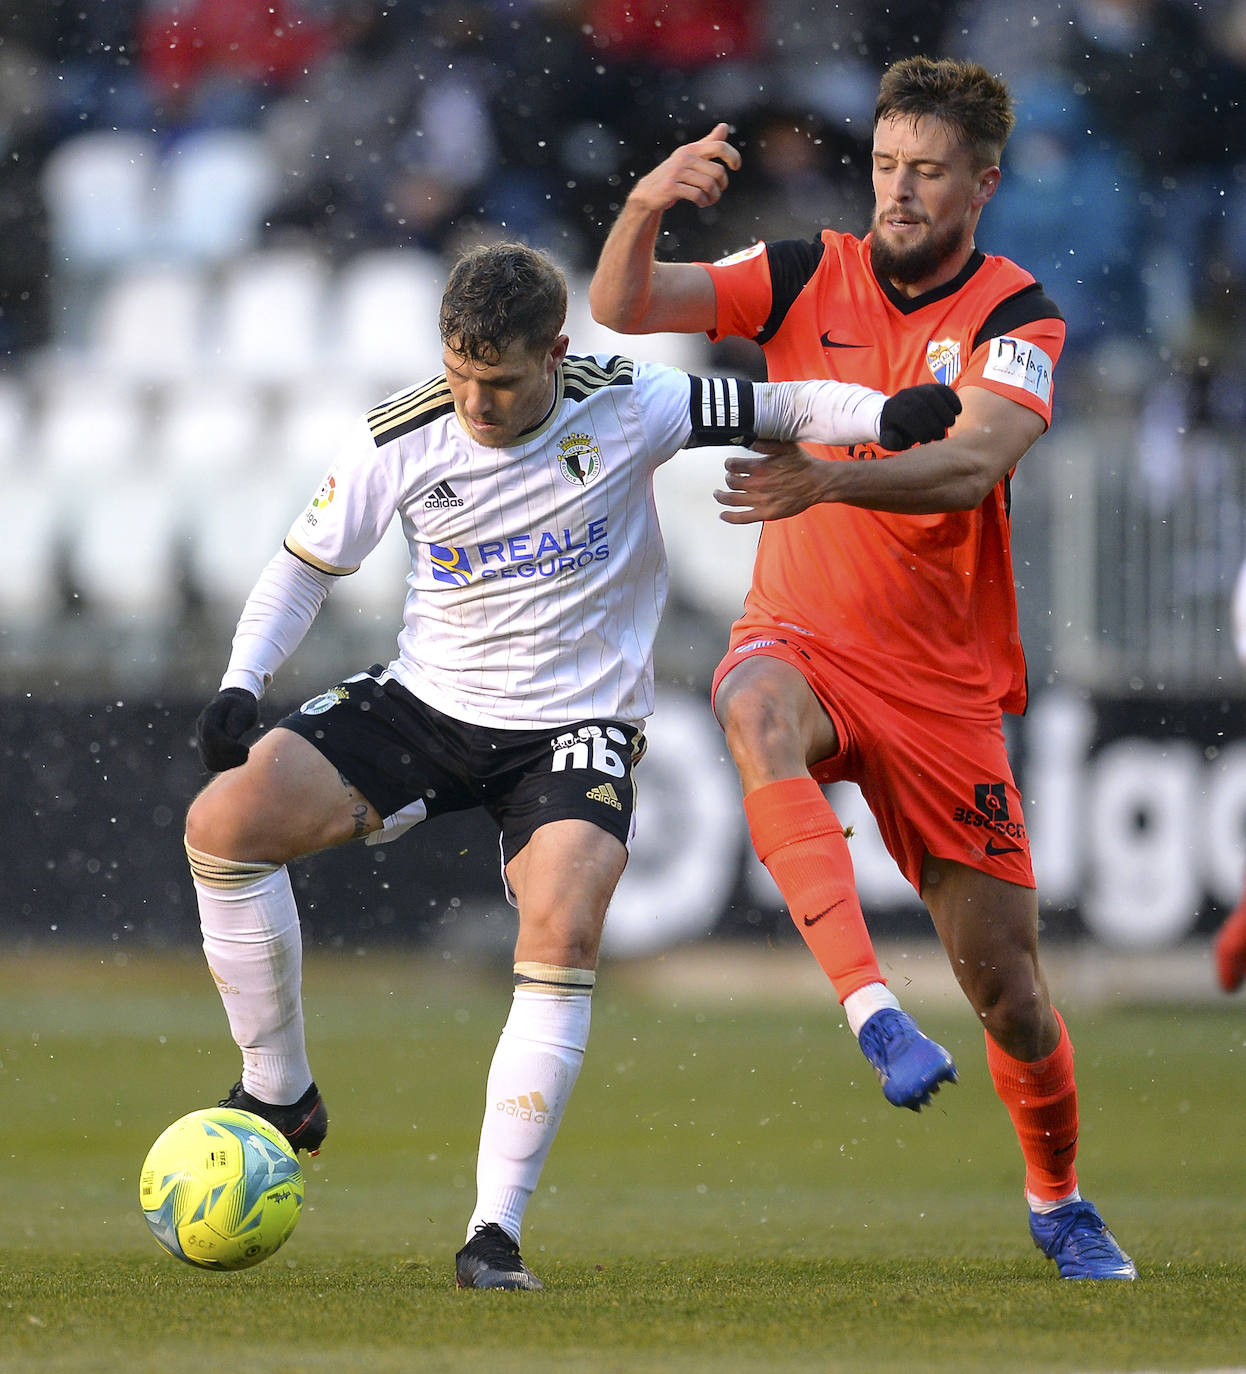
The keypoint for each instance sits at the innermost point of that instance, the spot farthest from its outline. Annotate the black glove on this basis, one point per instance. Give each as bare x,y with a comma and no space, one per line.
221,726
917,415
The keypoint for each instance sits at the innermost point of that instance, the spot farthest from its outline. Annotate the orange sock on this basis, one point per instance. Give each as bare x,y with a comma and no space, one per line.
1230,949
1042,1100
799,838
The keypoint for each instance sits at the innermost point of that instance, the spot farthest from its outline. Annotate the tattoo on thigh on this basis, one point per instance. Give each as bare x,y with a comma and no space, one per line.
359,812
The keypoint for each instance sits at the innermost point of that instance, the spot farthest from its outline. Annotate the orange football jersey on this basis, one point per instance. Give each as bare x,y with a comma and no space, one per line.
923,607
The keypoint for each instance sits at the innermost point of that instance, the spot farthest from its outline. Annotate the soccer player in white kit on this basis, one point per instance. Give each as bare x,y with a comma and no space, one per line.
523,481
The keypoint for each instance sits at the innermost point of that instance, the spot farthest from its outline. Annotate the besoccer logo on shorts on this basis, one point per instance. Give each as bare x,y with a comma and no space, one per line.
991,800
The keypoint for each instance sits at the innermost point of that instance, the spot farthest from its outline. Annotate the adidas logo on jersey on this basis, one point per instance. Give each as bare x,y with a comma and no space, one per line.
442,497
605,793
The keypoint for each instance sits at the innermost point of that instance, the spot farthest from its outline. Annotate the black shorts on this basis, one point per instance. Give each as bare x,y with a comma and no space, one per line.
411,761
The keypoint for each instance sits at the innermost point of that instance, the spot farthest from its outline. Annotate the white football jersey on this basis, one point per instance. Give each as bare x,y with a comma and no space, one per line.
538,573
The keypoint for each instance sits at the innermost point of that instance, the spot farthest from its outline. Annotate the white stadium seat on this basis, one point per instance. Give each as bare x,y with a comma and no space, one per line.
314,415
386,306
28,589
99,190
271,315
209,430
15,426
235,533
90,434
124,553
216,187
149,320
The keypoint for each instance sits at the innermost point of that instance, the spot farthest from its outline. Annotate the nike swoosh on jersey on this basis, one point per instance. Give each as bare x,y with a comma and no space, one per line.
995,850
827,342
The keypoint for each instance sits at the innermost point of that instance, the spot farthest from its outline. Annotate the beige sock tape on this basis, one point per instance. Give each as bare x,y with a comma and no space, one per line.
555,980
226,873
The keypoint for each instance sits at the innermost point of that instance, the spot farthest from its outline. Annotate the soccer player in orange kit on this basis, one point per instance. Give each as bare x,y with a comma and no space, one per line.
879,639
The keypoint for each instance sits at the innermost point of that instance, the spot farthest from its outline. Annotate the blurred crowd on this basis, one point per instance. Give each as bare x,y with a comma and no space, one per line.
408,123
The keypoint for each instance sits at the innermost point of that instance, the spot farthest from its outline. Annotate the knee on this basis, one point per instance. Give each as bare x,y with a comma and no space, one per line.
213,825
551,938
754,722
1015,1011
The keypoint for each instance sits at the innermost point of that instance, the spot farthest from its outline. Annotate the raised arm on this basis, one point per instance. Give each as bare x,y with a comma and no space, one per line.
633,293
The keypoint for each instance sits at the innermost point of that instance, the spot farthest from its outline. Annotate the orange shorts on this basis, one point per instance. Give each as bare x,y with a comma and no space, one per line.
936,784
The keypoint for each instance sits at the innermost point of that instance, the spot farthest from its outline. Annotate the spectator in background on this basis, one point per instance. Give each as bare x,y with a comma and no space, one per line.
25,101
215,63
660,64
1162,84
385,140
1068,209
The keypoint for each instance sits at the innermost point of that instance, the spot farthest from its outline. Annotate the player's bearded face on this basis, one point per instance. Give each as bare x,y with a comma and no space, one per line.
928,194
915,258
497,402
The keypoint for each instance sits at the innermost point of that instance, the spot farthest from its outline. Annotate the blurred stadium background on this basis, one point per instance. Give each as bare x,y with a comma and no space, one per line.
225,232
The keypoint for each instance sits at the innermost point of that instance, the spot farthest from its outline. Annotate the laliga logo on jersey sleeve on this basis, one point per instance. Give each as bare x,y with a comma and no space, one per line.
752,251
943,360
322,499
580,459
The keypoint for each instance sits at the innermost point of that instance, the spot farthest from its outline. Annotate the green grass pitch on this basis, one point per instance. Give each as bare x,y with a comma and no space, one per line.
730,1192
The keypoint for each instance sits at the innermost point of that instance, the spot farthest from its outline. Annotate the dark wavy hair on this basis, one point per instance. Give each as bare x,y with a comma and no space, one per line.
500,293
962,95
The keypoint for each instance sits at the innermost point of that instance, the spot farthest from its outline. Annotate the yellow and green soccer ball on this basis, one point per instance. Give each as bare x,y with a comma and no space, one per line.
221,1189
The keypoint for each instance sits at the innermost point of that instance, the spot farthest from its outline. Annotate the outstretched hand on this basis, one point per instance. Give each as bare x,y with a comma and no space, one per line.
917,415
774,481
695,172
220,728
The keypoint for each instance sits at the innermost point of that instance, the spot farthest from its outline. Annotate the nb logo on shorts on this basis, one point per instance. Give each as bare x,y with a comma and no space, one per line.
591,746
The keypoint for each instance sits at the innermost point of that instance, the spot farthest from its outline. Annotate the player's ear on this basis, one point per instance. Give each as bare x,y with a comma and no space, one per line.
559,351
987,184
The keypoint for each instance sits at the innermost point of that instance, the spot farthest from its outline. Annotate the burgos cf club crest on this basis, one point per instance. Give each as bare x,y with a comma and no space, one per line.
943,360
580,459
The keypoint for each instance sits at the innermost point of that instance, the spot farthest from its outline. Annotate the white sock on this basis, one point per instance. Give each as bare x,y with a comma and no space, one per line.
859,1006
254,948
533,1071
1042,1206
